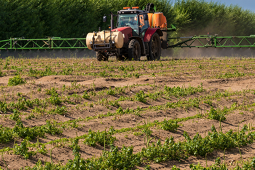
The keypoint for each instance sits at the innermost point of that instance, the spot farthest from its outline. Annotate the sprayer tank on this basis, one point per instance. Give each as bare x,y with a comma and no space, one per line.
157,20
105,37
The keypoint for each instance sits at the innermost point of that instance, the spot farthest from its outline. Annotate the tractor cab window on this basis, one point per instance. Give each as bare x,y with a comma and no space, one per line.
129,20
144,24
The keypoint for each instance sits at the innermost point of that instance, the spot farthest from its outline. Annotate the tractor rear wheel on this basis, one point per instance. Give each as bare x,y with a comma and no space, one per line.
101,56
134,50
154,47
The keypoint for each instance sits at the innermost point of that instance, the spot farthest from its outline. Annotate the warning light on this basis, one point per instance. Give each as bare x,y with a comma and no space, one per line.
126,7
135,7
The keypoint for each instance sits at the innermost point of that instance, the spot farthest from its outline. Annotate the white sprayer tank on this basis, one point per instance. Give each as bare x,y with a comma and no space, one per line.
100,37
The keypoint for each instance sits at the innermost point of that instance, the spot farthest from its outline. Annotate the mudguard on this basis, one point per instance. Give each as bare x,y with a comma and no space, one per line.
150,32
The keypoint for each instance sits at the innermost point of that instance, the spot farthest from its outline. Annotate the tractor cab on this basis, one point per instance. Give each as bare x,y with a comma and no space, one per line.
134,18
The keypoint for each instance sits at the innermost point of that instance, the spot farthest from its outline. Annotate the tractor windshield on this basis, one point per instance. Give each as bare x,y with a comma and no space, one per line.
129,20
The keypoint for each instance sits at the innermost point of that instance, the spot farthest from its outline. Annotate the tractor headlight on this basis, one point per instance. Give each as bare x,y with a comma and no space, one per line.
113,42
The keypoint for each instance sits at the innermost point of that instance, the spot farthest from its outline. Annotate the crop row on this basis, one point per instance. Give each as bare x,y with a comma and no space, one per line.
56,100
24,103
159,152
39,131
219,165
19,130
81,64
170,125
225,70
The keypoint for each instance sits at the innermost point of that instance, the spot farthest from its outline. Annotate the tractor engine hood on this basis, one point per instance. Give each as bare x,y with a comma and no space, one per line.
126,31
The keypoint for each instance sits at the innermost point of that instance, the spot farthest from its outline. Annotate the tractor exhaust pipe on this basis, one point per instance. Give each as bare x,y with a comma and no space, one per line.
149,7
112,21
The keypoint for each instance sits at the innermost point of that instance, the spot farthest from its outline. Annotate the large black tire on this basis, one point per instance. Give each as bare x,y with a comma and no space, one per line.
154,48
101,57
134,50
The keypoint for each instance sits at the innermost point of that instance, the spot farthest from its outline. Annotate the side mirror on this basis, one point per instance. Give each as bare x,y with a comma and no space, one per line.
145,17
104,18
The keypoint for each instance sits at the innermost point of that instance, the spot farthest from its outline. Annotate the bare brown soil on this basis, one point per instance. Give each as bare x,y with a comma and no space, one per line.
217,75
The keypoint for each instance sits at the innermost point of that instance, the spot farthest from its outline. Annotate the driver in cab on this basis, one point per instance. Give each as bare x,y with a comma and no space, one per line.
133,20
128,22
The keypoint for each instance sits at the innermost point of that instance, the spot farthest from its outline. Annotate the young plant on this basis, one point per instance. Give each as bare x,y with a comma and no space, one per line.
51,92
3,107
137,75
59,110
111,92
55,100
22,149
85,95
75,145
216,114
141,97
147,132
169,125
114,103
15,115
51,128
102,138
30,116
42,149
17,80
1,74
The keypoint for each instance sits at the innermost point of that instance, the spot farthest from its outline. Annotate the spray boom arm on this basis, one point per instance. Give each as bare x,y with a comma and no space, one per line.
43,44
201,41
214,41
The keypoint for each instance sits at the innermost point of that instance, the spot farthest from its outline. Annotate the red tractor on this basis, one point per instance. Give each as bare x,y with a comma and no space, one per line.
138,33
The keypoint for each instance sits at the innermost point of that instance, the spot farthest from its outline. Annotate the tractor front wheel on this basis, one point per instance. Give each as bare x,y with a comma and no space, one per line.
154,48
101,56
134,50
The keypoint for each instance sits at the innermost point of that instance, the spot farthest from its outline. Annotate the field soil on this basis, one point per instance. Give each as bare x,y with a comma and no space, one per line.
88,90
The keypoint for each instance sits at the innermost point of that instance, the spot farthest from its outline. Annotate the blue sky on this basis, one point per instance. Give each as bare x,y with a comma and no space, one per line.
245,4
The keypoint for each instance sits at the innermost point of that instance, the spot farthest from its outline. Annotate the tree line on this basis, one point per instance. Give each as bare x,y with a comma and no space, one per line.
75,18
